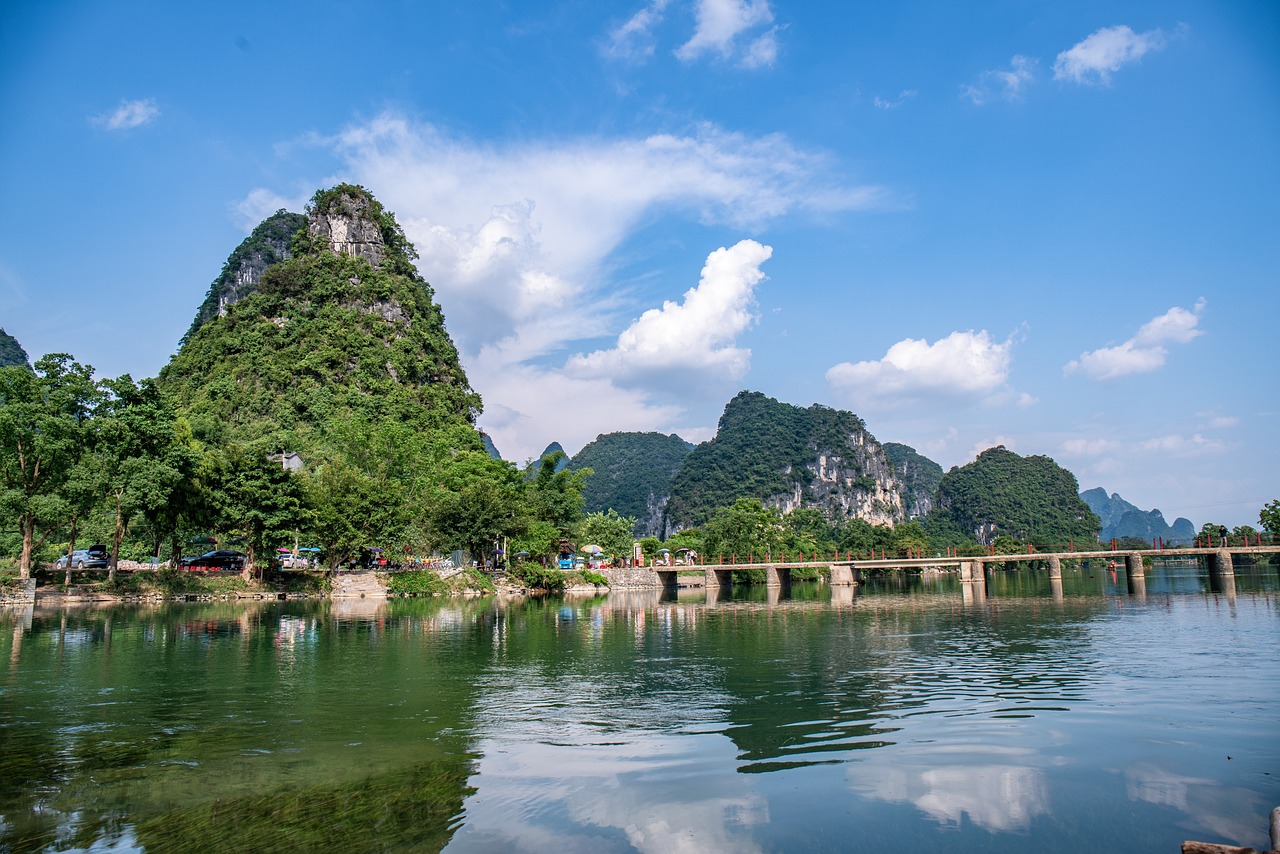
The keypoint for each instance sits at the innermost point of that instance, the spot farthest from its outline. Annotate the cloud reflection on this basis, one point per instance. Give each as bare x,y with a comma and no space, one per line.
998,798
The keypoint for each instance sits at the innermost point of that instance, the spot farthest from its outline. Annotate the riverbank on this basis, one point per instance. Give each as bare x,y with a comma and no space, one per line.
149,586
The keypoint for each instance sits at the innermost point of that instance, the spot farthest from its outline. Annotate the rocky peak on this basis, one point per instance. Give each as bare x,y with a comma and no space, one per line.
346,218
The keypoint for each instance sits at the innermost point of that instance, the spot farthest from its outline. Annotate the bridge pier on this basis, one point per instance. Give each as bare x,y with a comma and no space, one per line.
1221,564
1055,567
973,571
717,578
776,576
843,575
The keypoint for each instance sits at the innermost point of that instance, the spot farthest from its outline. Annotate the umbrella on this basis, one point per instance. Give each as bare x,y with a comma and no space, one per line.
521,554
595,550
664,551
308,549
282,550
678,551
497,551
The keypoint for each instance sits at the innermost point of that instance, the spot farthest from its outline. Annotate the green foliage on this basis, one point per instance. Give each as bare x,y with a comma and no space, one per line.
43,413
609,531
1269,517
764,449
538,577
744,529
919,475
631,472
421,583
594,578
478,504
554,493
268,244
1031,499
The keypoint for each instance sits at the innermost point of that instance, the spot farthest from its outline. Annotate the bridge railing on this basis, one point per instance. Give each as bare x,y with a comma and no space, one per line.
987,551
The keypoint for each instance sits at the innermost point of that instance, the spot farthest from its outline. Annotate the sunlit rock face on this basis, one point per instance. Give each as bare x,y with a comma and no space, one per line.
349,226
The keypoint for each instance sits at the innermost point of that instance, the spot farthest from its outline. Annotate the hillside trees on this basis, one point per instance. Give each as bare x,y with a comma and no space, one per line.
42,438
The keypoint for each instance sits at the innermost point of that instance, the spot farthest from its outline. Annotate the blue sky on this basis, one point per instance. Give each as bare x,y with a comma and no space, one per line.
1052,226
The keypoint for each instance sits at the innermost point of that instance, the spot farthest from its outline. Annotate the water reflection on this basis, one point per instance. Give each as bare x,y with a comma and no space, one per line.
652,720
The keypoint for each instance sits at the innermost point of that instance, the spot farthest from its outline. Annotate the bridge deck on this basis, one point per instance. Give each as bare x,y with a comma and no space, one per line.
922,562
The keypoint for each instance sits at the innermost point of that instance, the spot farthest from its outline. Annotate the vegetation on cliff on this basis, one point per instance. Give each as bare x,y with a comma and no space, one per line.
270,242
771,451
1031,499
919,475
632,475
11,352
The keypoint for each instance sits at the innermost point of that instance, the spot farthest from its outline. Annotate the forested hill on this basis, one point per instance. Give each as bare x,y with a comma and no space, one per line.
11,352
919,475
1031,499
1120,519
270,242
342,335
788,458
632,475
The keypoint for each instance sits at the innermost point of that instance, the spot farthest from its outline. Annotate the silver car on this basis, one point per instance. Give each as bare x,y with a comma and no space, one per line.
94,557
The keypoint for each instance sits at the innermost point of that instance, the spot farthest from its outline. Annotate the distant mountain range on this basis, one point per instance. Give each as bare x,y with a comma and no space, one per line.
1121,519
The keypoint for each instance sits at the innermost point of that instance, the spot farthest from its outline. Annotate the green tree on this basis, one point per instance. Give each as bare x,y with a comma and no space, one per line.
1269,518
609,531
42,436
556,496
134,448
478,504
258,500
746,528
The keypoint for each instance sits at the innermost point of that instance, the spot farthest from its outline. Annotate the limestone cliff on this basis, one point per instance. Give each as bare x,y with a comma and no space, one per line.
269,243
345,331
789,458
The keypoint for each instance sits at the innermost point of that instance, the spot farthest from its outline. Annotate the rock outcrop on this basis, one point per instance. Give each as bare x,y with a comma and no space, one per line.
349,225
270,243
788,458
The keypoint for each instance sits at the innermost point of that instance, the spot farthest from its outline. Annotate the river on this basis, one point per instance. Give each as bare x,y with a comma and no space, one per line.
905,717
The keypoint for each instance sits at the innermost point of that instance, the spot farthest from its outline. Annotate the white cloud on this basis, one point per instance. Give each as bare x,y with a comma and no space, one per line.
903,96
516,241
964,365
260,204
1091,447
1000,84
1103,52
1145,351
634,39
130,114
719,25
1183,446
689,345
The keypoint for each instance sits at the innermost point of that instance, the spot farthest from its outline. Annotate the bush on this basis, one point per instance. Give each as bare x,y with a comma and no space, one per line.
595,578
538,577
419,582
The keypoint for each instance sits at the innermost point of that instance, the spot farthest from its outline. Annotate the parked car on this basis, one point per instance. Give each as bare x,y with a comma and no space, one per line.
94,557
217,559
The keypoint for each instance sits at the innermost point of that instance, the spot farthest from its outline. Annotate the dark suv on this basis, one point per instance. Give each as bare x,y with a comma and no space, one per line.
219,559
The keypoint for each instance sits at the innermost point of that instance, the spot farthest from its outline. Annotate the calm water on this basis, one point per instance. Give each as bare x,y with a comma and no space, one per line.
907,718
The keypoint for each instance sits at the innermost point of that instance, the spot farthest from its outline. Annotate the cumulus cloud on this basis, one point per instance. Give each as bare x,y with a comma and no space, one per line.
722,26
1183,446
1145,351
516,241
691,343
962,365
1002,84
130,114
633,39
1104,52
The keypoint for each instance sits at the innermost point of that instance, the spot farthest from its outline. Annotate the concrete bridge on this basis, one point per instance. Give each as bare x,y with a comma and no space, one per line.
973,570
